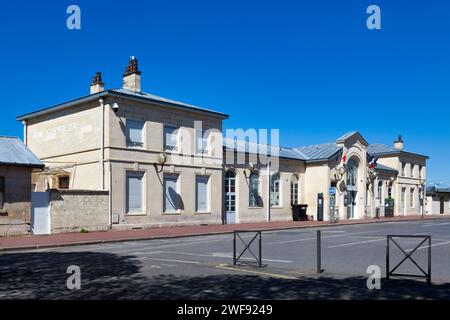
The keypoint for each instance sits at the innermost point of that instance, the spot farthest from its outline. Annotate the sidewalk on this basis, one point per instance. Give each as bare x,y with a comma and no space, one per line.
70,239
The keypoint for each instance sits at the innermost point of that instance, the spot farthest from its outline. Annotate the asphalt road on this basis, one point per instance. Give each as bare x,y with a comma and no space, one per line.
202,267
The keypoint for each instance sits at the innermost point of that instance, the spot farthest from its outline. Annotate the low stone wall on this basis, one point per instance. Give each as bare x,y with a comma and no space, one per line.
75,210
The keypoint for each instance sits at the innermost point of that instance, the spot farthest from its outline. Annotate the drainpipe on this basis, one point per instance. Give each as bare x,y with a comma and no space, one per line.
102,144
109,195
268,191
25,131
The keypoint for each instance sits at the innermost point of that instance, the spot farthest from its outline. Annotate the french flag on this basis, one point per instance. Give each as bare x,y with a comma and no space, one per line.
373,163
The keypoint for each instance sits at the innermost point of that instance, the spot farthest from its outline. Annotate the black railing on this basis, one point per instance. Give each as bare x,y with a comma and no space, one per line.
408,255
237,258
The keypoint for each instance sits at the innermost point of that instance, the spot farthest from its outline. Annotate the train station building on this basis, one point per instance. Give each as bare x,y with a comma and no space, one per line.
166,163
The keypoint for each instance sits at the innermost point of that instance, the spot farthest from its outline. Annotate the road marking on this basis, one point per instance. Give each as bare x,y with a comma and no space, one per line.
314,238
229,255
433,245
353,243
434,224
257,272
221,255
172,260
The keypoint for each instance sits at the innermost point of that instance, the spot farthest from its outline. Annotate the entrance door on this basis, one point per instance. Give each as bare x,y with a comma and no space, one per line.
441,209
230,197
40,214
320,206
351,203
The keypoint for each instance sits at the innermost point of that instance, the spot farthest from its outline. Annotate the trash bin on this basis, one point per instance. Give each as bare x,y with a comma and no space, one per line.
296,212
299,212
303,208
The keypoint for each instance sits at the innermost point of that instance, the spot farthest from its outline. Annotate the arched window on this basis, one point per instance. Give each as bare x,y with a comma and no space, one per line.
254,190
294,190
352,173
275,190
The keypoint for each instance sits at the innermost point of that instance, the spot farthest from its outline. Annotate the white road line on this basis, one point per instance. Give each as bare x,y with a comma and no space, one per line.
172,260
229,255
354,243
152,247
220,255
314,238
434,224
433,245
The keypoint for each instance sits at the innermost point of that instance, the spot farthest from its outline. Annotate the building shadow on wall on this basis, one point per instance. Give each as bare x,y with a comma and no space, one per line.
42,275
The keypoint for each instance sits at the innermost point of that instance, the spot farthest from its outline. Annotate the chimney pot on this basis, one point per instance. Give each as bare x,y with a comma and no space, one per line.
132,76
97,84
398,144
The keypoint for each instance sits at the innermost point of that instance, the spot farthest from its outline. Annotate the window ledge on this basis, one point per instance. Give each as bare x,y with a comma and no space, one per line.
3,212
255,207
203,212
171,213
130,214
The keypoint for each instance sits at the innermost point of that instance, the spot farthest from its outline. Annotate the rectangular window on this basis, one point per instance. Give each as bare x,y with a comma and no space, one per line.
171,194
411,198
413,167
404,169
202,142
63,182
135,133
2,192
135,192
420,171
170,138
202,194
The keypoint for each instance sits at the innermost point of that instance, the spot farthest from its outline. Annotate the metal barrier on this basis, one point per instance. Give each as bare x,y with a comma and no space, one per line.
237,258
408,255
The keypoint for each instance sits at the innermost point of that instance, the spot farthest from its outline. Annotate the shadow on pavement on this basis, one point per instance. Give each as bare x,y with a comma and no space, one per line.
42,275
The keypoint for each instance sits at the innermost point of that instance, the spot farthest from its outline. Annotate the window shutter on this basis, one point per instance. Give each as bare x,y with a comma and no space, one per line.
135,192
170,194
135,131
202,194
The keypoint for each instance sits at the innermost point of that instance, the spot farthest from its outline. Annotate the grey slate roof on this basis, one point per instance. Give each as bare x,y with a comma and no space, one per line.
346,135
14,152
258,148
319,151
378,148
153,98
380,167
432,189
121,93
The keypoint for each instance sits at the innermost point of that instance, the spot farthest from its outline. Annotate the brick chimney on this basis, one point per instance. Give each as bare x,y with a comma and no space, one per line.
132,76
399,143
97,85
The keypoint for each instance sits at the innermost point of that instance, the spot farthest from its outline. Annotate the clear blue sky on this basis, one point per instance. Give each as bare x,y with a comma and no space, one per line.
310,68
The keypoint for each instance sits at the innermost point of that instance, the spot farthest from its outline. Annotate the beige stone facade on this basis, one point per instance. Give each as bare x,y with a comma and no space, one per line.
144,150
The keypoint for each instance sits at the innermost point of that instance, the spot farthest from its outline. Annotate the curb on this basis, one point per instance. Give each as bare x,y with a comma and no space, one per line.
71,244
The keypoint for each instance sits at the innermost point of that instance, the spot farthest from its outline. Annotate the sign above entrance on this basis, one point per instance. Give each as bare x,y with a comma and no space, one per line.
331,190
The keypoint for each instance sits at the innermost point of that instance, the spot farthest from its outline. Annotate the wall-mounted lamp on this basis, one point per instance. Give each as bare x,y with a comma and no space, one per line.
161,160
250,167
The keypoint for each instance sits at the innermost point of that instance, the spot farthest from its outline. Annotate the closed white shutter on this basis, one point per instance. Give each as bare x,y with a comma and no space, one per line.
202,193
170,193
170,138
134,193
135,133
